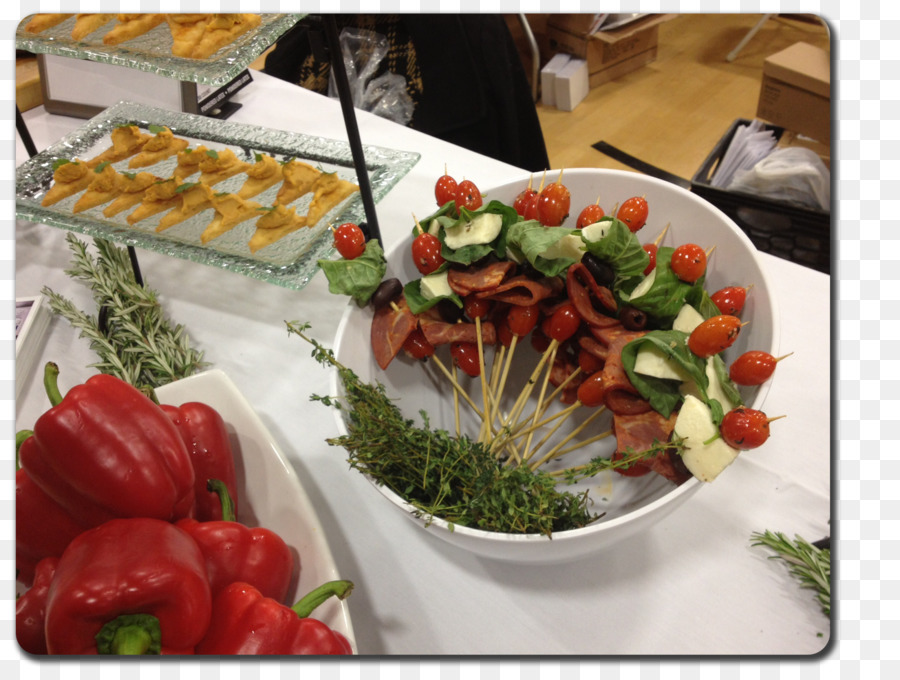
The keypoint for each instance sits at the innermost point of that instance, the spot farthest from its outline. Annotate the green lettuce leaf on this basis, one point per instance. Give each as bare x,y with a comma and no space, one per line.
360,277
418,303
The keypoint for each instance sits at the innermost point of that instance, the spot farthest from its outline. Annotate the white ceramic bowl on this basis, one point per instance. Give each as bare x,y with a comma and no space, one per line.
630,504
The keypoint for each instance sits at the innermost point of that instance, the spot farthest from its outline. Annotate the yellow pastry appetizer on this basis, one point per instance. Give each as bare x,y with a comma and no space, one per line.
161,146
69,178
274,224
158,197
131,191
299,179
231,210
130,26
41,22
263,174
189,161
127,140
85,24
221,30
186,29
194,198
217,166
329,191
103,188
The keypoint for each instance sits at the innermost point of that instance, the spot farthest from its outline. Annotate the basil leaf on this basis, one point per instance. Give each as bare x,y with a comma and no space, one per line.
418,303
668,293
620,248
533,239
360,277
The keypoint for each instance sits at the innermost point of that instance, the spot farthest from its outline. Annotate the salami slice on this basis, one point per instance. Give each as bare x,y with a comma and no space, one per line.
639,432
583,290
439,332
390,327
463,282
619,394
520,290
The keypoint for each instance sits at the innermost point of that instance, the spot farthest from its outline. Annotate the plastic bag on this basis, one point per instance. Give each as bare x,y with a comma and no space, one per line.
384,95
794,174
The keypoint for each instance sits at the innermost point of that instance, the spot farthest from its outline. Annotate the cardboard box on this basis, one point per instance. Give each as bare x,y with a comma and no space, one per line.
624,49
548,78
796,91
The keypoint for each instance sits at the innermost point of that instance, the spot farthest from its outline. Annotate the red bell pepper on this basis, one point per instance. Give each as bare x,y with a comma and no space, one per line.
206,436
129,586
245,622
43,528
30,609
106,450
235,552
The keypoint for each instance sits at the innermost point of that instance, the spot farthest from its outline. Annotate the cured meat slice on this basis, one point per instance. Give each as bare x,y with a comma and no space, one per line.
593,347
583,290
390,327
619,394
520,290
466,281
439,332
639,432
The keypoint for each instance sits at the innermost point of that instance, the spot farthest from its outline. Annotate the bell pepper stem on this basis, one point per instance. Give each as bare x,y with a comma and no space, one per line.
217,486
51,383
21,436
130,634
306,605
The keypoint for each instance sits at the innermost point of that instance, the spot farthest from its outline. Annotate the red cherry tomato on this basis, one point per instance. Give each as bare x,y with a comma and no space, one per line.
752,368
589,363
563,323
591,214
476,307
445,189
634,212
465,355
539,340
426,253
689,262
744,428
730,300
531,211
650,249
417,346
504,334
553,205
522,319
468,195
525,197
636,469
349,241
714,335
590,392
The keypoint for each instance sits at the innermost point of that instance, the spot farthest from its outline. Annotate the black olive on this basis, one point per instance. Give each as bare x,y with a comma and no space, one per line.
602,272
387,291
632,318
449,311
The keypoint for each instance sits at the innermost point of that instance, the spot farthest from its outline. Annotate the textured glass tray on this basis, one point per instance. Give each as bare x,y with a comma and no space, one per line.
152,52
290,262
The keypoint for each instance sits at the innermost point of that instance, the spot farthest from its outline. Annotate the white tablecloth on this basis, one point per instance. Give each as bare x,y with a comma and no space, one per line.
692,585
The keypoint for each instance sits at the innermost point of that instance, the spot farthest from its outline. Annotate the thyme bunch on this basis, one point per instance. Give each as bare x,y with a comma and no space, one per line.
810,565
138,344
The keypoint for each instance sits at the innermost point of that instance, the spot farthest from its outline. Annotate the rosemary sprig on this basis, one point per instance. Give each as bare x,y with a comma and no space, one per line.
810,565
138,344
454,478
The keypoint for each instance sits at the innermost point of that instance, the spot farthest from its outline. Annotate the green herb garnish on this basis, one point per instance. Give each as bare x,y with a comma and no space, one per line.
810,565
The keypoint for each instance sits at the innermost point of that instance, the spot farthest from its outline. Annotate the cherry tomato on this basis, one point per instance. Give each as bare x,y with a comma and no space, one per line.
476,307
588,362
591,214
465,355
522,319
468,195
525,197
730,300
426,253
715,334
553,204
689,262
417,346
539,340
744,428
752,368
349,241
563,323
590,392
636,469
634,212
504,334
650,249
445,189
531,211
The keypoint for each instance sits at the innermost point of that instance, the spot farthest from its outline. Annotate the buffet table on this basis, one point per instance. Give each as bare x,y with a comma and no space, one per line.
692,585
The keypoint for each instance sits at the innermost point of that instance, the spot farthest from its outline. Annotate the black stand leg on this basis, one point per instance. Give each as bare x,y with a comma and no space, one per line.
346,99
25,134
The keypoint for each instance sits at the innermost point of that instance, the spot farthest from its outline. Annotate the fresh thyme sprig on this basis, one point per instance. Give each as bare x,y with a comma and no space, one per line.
138,344
810,565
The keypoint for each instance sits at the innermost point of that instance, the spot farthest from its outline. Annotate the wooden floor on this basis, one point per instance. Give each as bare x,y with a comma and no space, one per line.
672,112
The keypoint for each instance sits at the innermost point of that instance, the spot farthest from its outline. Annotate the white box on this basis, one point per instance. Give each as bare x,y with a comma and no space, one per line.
548,78
572,84
32,319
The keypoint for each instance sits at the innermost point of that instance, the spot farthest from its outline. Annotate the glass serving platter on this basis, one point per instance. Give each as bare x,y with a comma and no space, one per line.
289,262
152,52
